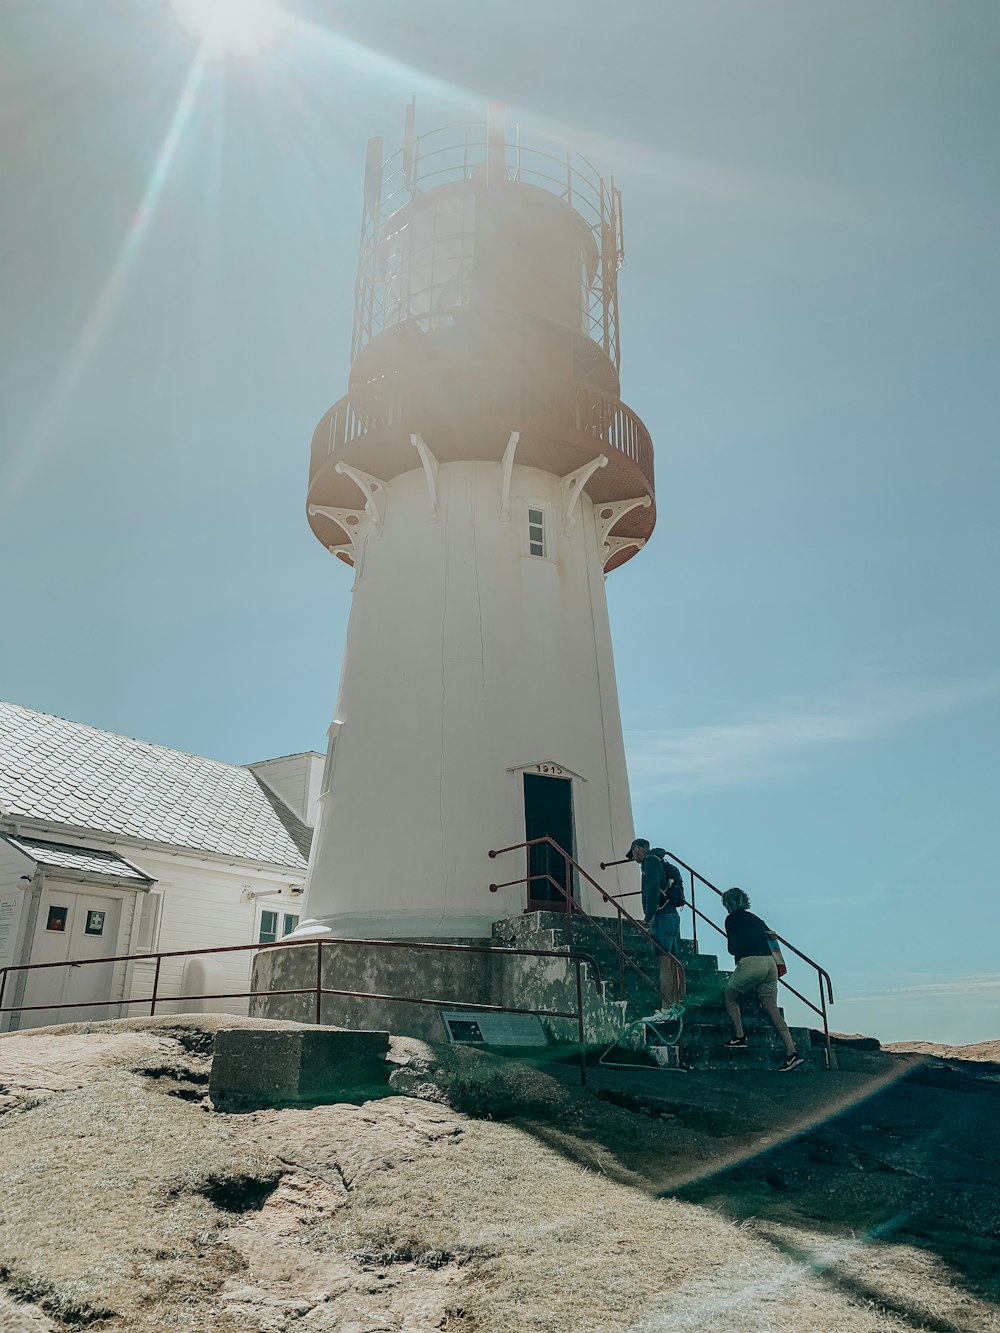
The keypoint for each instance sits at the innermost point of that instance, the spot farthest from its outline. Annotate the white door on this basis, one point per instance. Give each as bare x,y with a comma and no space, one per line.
72,927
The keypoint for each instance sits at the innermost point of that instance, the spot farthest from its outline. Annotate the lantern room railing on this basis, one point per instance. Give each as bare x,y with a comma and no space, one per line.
525,402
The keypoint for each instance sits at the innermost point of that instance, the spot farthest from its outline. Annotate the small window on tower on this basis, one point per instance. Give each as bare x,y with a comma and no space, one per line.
536,532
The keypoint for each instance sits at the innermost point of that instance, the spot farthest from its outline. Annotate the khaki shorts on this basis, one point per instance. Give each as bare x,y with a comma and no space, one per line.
754,974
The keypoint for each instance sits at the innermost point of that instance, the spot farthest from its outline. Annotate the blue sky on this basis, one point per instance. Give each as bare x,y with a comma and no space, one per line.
809,329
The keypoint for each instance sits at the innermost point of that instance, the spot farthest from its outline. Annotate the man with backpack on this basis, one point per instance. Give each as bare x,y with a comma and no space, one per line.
662,897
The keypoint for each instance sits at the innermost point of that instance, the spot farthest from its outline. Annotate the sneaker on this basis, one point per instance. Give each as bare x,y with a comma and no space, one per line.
790,1062
663,1016
735,1042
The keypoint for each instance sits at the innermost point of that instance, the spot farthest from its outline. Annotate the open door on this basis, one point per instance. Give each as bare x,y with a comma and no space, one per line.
548,812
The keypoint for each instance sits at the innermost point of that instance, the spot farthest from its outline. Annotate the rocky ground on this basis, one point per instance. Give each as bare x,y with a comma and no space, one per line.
481,1196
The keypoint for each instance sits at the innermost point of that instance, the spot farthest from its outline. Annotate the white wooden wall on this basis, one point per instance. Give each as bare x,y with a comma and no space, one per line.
205,902
13,895
296,780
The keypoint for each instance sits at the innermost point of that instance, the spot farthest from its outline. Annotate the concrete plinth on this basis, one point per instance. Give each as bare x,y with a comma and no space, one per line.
495,976
253,1068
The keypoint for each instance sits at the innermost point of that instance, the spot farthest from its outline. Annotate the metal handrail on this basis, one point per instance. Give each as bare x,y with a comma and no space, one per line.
576,957
623,959
572,906
529,399
822,975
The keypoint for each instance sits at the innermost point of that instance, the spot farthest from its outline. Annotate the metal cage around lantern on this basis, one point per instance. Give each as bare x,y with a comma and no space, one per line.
415,261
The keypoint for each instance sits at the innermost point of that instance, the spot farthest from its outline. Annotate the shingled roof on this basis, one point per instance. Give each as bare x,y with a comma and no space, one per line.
86,860
64,772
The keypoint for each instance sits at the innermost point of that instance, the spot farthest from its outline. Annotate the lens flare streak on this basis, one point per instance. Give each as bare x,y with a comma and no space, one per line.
37,439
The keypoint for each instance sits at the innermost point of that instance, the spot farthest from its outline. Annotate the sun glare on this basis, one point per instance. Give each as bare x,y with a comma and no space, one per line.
232,27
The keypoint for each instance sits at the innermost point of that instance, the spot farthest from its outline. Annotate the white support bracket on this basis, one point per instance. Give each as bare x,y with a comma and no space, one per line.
607,515
351,521
506,472
372,488
431,469
615,544
573,483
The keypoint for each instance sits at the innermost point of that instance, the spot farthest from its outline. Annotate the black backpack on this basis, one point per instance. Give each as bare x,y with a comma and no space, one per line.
672,893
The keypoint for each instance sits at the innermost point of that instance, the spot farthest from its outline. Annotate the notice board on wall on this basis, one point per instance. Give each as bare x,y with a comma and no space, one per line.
470,1027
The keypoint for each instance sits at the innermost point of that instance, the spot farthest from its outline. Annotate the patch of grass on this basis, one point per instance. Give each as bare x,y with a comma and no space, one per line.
62,1302
120,1201
99,1183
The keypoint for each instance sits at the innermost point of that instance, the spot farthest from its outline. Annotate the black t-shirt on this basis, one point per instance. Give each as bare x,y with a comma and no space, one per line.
747,935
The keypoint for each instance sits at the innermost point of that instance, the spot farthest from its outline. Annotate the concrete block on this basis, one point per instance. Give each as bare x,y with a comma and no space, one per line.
276,1067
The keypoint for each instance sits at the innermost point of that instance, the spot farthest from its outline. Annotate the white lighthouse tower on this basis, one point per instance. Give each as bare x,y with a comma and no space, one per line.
480,477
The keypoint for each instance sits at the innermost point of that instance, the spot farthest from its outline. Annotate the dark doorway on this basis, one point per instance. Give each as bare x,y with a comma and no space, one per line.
548,812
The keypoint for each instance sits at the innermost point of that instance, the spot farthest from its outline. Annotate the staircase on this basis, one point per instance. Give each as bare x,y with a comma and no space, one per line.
628,959
706,1026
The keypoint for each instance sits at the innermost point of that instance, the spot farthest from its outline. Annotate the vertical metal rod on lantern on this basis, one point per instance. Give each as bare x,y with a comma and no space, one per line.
496,145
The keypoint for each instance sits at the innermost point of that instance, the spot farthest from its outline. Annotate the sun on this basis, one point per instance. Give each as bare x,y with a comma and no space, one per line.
232,27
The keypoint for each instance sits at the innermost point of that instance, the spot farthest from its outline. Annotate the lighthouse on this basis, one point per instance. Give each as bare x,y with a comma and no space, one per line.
480,478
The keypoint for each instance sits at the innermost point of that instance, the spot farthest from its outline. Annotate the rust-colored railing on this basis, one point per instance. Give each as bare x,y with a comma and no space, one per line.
527,402
822,975
572,908
318,990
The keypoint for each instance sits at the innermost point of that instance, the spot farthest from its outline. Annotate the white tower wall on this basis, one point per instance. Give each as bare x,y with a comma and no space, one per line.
468,661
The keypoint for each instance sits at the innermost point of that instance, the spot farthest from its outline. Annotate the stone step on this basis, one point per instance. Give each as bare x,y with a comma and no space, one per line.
700,995
711,1016
631,934
718,1036
699,962
760,1058
703,1048
700,972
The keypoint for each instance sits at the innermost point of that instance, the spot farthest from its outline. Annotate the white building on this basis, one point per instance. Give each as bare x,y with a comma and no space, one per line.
112,846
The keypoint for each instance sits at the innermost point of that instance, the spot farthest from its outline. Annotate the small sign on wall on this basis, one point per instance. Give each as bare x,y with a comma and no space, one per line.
479,1028
95,923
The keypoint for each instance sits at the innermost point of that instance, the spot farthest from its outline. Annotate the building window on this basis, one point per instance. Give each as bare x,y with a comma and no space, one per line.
269,923
536,532
57,918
